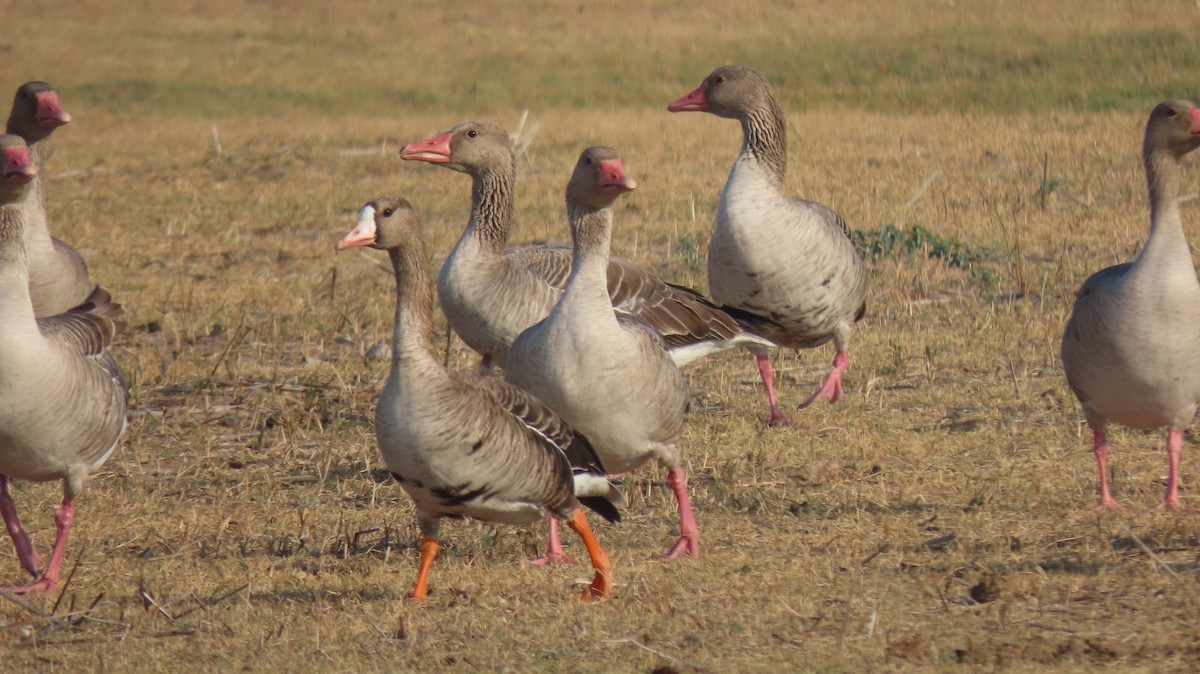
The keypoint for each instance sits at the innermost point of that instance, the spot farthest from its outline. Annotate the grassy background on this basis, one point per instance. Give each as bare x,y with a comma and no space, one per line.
219,150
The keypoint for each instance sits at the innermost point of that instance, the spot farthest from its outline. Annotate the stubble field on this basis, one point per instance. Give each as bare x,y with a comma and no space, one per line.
938,517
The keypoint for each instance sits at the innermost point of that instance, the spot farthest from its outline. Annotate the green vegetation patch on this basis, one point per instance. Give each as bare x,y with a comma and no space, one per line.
893,241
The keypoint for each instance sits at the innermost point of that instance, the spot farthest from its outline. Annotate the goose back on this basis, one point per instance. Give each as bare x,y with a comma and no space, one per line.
786,259
789,260
490,294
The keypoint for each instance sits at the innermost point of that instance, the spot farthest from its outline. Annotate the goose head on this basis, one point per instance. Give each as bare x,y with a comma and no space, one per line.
16,167
36,111
472,148
383,223
729,91
599,178
1174,126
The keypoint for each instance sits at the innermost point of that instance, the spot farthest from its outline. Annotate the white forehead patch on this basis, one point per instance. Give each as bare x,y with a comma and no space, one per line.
368,213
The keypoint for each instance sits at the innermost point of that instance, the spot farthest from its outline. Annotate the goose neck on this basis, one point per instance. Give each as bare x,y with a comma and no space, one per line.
12,232
39,151
764,133
591,239
492,207
413,329
1167,240
16,307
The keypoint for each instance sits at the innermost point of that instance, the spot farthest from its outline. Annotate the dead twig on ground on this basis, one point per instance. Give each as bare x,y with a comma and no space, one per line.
234,342
213,601
661,654
16,599
67,582
1150,553
924,186
150,600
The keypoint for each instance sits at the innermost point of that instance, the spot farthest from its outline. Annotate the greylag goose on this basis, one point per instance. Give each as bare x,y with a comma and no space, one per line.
58,276
606,374
787,259
1130,349
464,445
63,403
490,294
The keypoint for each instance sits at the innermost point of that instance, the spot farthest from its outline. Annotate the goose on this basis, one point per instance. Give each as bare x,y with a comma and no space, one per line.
63,401
606,374
58,275
787,259
490,294
465,445
1130,348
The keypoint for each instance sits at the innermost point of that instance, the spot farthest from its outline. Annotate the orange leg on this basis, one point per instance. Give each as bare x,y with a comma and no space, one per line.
601,587
429,550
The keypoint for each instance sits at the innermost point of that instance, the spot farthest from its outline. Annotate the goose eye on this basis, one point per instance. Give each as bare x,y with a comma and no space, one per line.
472,133
588,160
719,79
387,212
1171,112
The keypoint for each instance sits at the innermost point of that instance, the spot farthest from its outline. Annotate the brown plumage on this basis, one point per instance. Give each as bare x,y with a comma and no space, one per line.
490,294
461,444
787,260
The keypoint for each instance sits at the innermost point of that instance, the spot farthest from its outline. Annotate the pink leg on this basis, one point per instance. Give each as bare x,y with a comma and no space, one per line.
689,534
768,377
554,550
1174,456
1100,448
26,554
831,388
49,580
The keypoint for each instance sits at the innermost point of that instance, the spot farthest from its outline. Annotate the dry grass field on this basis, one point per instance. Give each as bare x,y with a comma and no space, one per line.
938,518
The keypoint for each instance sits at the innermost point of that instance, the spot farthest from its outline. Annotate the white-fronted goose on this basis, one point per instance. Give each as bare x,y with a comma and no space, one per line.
786,259
1131,349
463,445
490,294
58,276
607,375
63,401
